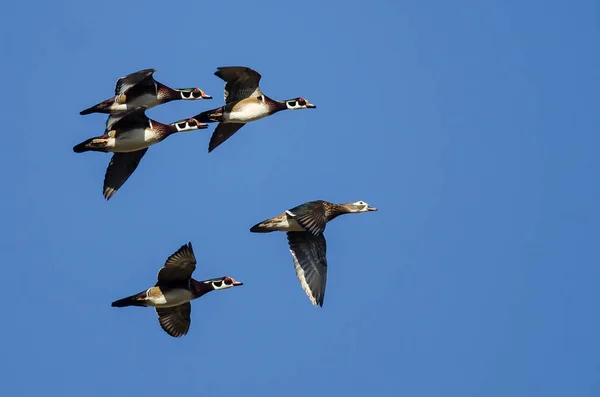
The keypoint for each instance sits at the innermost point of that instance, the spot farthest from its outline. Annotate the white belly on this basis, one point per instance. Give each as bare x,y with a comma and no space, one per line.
250,112
134,140
172,298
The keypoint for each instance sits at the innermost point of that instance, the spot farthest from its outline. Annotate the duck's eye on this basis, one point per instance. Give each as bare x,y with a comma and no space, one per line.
301,101
228,281
196,94
217,284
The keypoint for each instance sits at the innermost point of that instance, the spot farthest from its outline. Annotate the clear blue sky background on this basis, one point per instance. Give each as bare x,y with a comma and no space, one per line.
471,125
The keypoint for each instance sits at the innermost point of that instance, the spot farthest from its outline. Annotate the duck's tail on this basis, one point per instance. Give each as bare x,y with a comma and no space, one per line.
210,116
102,107
92,144
266,226
133,300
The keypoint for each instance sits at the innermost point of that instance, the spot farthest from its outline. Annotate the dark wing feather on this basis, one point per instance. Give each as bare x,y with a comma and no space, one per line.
175,320
222,133
120,168
126,82
241,82
128,119
310,260
179,266
311,216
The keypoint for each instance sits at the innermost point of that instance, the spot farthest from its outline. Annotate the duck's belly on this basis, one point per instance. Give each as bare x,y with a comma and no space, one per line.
144,100
134,140
249,112
171,298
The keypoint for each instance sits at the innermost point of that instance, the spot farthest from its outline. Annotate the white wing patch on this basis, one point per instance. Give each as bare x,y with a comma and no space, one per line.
302,279
290,213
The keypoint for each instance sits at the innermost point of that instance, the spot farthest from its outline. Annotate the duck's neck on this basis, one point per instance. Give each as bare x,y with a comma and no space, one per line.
163,129
274,105
166,94
199,289
332,210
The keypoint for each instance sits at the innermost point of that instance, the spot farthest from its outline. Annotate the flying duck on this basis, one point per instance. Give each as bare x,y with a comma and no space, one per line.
129,135
244,102
175,288
140,89
305,225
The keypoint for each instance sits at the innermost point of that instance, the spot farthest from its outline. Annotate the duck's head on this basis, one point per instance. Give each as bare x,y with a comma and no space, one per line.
358,206
219,283
193,94
189,125
299,103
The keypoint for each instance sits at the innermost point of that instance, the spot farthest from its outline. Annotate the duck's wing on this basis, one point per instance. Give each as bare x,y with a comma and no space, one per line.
128,120
126,82
310,260
179,266
120,168
175,320
240,82
311,216
223,132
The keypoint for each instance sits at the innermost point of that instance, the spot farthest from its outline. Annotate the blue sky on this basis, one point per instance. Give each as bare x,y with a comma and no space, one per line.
471,125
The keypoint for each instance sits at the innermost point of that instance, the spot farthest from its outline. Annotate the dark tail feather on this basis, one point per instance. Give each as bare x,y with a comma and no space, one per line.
129,301
99,108
210,116
260,228
83,146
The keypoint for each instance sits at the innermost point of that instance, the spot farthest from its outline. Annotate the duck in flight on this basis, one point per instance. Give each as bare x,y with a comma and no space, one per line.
141,89
304,226
174,290
244,102
129,135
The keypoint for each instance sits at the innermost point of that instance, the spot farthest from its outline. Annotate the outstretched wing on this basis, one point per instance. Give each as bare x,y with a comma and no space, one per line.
126,82
120,168
310,260
179,266
128,119
223,132
175,320
311,216
241,82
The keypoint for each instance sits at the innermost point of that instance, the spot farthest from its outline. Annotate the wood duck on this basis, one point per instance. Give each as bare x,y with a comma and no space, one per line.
175,288
140,89
305,225
244,102
129,135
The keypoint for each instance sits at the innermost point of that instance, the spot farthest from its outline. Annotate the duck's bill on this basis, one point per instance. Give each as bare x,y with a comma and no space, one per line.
371,209
206,96
310,106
